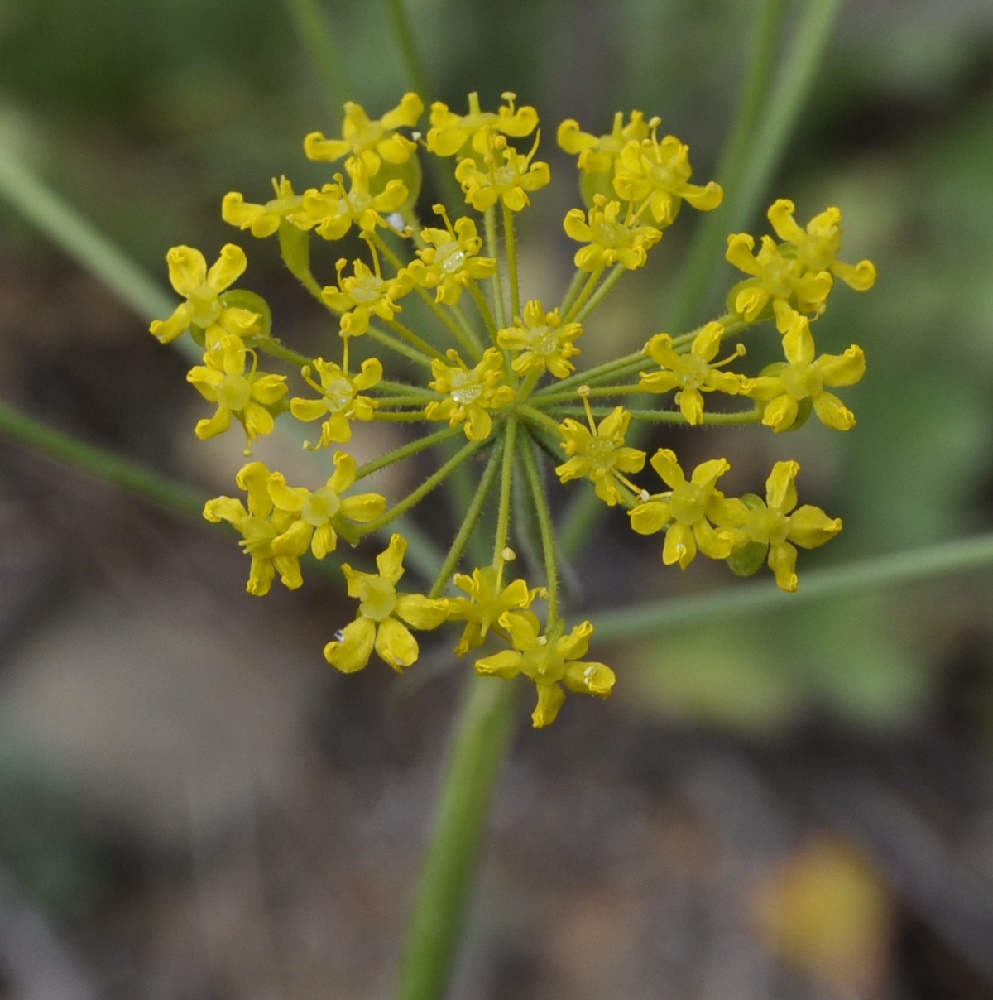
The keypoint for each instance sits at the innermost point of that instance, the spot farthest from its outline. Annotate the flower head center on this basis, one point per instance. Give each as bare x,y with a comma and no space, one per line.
380,598
234,392
450,257
688,502
339,393
206,308
691,371
367,289
466,388
320,506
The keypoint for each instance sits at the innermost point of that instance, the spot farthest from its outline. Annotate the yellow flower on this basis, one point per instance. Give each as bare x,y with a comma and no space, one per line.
334,211
777,531
322,513
382,614
551,661
818,245
264,220
599,453
368,142
598,154
542,342
608,241
248,397
689,511
469,393
692,373
785,388
508,181
202,290
486,602
659,172
365,294
784,281
449,262
449,132
340,401
795,274
260,524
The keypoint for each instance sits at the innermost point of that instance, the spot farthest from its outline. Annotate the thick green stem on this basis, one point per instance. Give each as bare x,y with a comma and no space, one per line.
74,235
698,269
413,61
893,570
163,492
314,34
476,754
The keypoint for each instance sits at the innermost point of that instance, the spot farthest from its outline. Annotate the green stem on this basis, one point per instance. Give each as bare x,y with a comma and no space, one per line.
472,344
143,482
471,518
484,309
399,346
571,292
535,416
752,416
698,269
432,482
403,34
413,61
74,235
315,37
508,233
489,218
601,293
276,350
475,756
545,528
412,448
863,576
413,340
587,290
506,481
768,143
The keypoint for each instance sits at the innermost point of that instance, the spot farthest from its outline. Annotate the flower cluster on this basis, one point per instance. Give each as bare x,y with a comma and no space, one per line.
483,374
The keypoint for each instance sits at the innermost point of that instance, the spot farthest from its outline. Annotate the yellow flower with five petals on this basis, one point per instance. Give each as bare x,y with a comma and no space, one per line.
383,616
366,141
469,394
203,288
599,453
695,515
784,388
778,526
321,514
248,397
692,373
551,661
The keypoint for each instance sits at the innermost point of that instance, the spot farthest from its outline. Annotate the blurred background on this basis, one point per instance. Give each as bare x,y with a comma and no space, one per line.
792,805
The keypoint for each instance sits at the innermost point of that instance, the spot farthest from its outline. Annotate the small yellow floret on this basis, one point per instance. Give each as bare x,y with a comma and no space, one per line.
551,661
383,616
600,454
470,393
367,142
202,290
